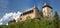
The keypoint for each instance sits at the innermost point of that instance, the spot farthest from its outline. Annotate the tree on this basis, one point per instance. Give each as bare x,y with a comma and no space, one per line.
56,17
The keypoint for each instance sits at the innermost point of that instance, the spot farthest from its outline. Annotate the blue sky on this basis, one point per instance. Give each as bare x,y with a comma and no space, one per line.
7,6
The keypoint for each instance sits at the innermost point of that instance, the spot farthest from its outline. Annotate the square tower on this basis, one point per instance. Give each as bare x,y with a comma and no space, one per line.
47,10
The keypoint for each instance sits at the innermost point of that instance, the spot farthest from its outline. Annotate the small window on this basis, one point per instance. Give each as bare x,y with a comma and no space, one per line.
20,18
48,15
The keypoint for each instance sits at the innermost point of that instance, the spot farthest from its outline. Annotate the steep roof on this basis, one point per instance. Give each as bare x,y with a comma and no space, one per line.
46,5
29,10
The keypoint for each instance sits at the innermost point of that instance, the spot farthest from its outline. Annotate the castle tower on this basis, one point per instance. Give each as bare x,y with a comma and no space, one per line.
47,10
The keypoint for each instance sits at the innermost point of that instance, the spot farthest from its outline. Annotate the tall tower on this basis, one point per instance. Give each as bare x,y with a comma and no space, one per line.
47,10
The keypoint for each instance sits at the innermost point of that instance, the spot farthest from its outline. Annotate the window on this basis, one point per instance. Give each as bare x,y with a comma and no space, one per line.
20,18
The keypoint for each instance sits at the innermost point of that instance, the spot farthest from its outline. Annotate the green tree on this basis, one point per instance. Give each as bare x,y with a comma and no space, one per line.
56,17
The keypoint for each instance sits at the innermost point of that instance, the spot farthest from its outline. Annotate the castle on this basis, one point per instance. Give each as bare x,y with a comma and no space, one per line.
34,13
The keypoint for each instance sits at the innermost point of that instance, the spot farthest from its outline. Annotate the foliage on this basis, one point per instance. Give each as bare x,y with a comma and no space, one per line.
32,24
56,18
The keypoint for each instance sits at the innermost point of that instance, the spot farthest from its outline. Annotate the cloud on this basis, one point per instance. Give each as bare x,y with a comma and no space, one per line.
9,16
0,23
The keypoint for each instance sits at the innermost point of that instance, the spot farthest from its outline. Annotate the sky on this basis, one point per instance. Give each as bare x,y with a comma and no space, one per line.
10,9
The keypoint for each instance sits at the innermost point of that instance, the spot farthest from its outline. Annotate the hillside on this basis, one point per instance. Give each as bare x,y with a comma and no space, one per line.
32,24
